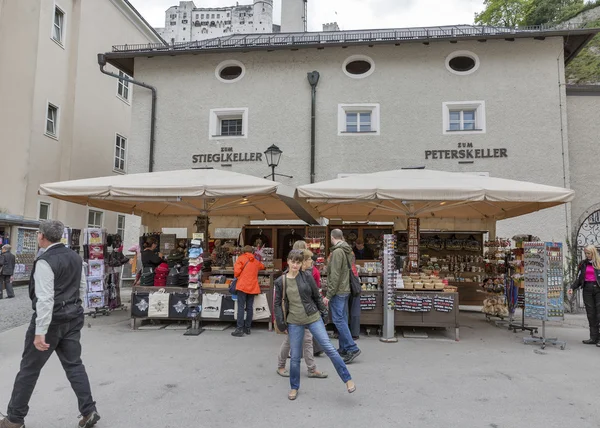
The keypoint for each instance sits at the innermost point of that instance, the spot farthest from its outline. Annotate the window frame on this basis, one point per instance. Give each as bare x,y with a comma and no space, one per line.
124,217
480,117
219,114
120,138
96,211
47,204
469,54
63,27
230,63
124,85
56,121
373,108
353,58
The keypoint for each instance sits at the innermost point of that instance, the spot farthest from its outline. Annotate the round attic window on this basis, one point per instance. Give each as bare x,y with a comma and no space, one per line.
358,66
462,62
230,71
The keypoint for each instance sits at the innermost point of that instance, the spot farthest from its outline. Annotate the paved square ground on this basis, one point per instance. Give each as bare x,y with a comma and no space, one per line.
161,379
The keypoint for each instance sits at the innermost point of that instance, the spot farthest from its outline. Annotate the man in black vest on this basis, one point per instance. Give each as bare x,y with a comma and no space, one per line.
56,289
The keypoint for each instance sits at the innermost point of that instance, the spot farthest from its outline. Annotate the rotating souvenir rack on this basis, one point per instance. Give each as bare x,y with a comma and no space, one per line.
544,298
390,277
94,252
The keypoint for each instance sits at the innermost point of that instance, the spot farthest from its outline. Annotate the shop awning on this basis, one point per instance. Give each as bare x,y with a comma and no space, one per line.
191,192
391,195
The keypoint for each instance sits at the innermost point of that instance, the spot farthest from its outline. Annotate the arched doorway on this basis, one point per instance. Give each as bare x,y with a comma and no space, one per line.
589,232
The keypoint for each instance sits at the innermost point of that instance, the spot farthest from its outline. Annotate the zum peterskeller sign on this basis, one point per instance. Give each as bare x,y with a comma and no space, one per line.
466,151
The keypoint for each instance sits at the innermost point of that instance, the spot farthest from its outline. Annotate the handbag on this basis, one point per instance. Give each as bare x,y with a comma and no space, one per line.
283,298
140,305
159,304
355,287
178,306
227,309
232,285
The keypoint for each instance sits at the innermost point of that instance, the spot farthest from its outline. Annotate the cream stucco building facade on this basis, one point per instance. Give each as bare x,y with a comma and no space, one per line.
465,99
63,119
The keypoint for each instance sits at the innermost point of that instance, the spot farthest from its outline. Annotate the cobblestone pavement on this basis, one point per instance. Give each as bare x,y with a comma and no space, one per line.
15,312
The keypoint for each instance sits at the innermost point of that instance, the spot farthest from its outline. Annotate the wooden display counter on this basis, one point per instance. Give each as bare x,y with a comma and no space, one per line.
432,317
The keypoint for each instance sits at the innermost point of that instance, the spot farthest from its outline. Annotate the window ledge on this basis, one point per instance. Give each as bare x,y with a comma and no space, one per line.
359,132
54,137
118,171
464,130
125,100
228,136
61,44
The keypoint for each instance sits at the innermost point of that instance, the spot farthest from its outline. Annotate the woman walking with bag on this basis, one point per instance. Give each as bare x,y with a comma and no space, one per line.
298,306
308,345
246,272
588,278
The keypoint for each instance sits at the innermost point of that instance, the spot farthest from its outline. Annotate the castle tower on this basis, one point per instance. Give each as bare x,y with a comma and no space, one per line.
293,16
263,16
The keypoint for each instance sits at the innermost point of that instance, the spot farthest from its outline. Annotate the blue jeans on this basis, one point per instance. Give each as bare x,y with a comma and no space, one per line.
338,305
296,333
245,304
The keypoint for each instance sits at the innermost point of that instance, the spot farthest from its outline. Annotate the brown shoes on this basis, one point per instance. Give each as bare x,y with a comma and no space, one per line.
89,420
5,423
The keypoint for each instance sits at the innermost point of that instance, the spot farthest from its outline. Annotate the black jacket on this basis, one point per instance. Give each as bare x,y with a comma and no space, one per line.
309,294
7,261
581,275
150,259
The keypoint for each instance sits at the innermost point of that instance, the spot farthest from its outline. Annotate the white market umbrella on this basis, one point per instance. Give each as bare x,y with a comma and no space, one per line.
390,195
199,192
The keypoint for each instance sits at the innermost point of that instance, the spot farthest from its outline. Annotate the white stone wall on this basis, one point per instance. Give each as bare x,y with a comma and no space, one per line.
208,23
518,81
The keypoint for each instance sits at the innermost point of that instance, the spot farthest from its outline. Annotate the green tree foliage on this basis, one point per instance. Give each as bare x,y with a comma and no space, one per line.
502,13
585,67
539,12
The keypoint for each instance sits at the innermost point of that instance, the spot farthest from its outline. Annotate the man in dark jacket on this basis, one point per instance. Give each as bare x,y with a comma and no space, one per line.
56,289
338,293
7,264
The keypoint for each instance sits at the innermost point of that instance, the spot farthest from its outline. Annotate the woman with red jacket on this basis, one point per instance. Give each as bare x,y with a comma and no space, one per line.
246,271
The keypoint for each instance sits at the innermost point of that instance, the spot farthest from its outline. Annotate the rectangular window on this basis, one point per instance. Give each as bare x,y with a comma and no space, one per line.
213,16
202,16
218,16
44,211
197,16
173,23
59,25
95,218
121,226
228,123
173,16
184,22
464,117
123,87
356,119
52,121
120,153
231,127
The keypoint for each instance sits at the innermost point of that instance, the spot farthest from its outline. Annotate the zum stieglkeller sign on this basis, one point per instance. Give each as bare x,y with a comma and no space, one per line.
466,151
227,156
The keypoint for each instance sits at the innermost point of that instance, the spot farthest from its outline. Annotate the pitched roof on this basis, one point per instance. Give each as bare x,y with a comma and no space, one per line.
575,38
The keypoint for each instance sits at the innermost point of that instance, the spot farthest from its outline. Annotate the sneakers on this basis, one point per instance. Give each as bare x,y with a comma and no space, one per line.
351,356
590,342
247,331
5,423
238,332
89,420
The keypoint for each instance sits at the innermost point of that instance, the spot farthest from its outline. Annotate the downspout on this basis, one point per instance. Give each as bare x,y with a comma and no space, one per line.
102,64
313,79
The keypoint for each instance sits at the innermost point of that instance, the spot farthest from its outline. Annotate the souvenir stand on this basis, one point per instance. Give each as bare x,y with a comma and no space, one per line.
494,284
515,288
25,252
544,298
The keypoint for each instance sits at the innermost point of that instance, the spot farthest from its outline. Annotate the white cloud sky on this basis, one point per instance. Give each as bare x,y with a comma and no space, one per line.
349,14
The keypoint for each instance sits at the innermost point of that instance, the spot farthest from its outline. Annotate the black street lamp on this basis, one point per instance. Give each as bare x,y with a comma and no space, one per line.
273,156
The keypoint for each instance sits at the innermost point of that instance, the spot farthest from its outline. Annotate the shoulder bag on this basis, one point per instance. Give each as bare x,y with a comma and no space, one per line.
355,287
283,298
232,285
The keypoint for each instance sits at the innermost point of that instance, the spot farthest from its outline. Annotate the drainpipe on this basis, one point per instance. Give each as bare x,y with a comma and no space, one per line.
102,64
313,79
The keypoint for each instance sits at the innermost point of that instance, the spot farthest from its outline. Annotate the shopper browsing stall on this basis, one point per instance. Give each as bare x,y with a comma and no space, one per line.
150,259
298,306
246,271
588,278
338,293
